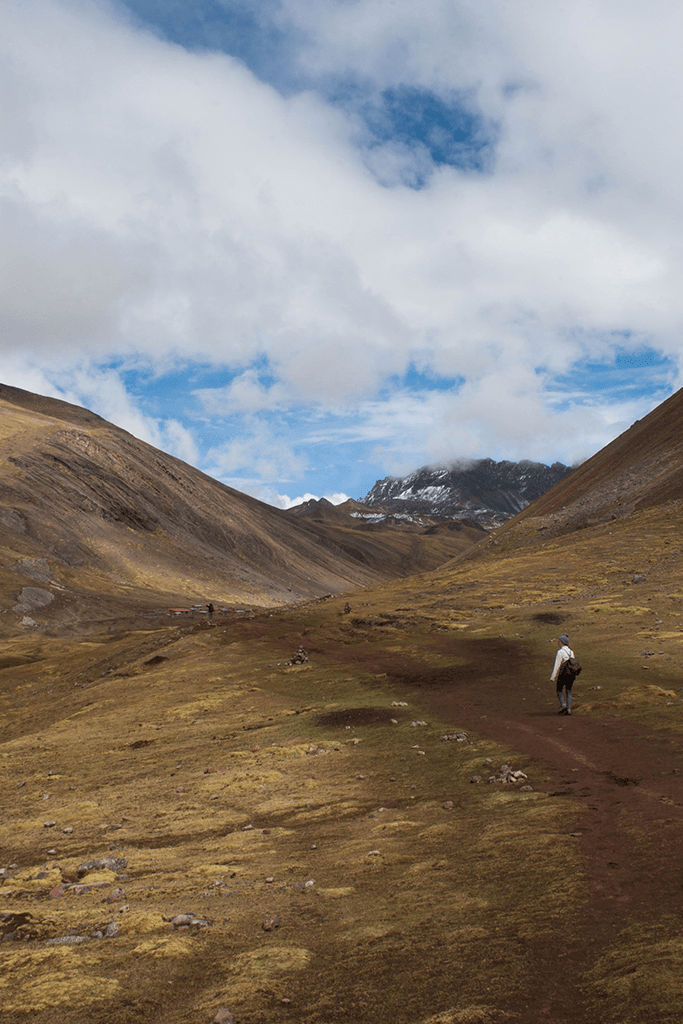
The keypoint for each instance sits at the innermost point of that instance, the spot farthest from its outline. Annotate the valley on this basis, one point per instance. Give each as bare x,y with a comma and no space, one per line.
194,822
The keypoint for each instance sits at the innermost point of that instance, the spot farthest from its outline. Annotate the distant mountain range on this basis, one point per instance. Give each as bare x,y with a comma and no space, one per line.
106,524
482,492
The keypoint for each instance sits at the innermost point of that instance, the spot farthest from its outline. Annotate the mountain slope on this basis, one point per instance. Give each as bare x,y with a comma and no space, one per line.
113,518
485,491
417,544
640,469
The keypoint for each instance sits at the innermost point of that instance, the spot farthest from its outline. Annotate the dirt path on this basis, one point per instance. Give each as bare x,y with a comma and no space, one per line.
627,784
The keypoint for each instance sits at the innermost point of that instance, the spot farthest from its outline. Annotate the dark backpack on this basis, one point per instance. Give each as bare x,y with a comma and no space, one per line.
571,668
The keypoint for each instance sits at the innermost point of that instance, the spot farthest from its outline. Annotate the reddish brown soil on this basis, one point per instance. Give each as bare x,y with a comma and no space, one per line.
624,778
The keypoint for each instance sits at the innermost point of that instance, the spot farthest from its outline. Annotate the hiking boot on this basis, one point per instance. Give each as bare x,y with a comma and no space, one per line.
563,711
568,712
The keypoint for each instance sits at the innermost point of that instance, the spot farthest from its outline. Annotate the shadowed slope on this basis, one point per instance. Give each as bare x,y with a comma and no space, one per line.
115,518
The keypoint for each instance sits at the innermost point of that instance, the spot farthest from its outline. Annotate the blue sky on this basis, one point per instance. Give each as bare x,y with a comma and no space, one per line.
304,244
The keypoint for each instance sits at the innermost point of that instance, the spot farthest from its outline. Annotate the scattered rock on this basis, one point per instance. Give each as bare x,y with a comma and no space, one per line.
49,824
35,568
78,890
414,724
116,895
247,828
181,920
448,805
596,687
13,519
102,864
68,830
638,577
68,940
476,778
224,1016
270,879
112,930
399,703
32,598
271,923
188,921
457,737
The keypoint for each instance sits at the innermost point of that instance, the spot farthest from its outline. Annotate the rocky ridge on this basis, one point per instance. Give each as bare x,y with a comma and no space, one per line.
483,492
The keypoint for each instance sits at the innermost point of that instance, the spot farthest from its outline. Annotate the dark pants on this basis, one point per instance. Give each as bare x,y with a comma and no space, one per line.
565,681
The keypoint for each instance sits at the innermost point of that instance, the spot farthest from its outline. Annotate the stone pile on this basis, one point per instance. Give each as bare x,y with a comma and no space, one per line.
300,658
507,775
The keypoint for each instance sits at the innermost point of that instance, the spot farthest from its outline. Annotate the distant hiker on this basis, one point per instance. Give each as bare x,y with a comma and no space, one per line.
209,609
564,673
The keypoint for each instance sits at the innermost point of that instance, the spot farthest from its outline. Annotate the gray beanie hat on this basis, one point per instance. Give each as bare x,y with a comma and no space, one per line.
564,638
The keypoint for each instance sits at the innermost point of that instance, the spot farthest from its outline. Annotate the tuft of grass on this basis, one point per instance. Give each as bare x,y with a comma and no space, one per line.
640,978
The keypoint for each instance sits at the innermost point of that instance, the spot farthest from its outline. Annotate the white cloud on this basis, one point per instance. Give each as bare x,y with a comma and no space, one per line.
245,394
261,451
284,501
166,203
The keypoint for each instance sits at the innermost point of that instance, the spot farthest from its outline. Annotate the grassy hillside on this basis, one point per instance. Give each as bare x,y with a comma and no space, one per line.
229,780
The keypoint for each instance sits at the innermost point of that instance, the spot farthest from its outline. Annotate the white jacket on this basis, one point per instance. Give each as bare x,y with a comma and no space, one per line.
564,654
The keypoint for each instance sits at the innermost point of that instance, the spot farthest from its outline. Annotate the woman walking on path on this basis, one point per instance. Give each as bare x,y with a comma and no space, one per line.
562,676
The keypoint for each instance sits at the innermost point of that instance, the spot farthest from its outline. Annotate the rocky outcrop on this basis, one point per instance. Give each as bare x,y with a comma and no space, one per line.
484,491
